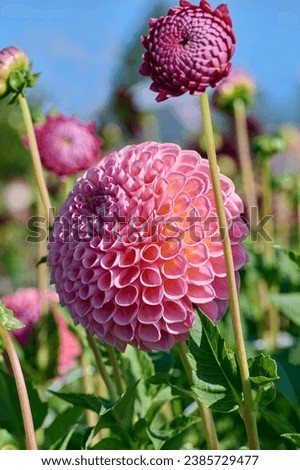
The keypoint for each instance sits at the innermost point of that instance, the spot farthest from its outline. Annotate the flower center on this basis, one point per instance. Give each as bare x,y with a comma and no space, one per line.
66,140
184,42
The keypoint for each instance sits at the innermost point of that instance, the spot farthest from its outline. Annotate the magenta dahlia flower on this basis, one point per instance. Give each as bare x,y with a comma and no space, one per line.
66,145
137,243
189,49
12,59
26,305
238,85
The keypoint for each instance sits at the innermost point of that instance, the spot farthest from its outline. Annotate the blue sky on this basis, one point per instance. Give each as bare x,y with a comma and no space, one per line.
78,45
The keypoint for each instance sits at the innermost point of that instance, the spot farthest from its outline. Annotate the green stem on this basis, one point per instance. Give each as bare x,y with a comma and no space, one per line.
206,414
266,209
21,388
116,369
249,414
36,160
101,367
244,153
91,417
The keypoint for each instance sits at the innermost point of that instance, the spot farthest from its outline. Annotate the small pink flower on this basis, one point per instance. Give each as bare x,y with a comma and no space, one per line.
66,145
238,85
12,59
137,244
26,305
188,50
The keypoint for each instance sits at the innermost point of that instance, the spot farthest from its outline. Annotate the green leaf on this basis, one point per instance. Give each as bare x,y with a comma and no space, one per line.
289,305
118,417
294,437
293,255
8,320
179,429
10,411
62,424
263,369
215,370
17,81
90,402
166,379
109,443
263,373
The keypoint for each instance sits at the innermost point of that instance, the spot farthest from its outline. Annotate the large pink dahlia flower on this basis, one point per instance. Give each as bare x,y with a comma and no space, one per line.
66,145
26,305
137,243
189,49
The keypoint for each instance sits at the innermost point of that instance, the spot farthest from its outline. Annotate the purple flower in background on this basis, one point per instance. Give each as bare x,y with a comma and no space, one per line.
66,145
137,243
26,305
188,50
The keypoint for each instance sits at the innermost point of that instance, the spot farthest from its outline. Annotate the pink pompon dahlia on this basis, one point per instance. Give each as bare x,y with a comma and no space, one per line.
66,145
238,85
12,59
26,305
137,243
189,49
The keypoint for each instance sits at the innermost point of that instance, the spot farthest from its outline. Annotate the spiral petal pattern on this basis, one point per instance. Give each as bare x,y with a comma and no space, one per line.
137,243
188,50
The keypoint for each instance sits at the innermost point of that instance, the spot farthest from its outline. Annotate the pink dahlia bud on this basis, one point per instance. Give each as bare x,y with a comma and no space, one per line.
238,85
188,50
26,305
12,60
66,145
137,243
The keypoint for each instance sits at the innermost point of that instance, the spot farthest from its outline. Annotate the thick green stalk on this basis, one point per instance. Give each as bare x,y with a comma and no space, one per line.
249,414
36,160
206,414
21,388
101,367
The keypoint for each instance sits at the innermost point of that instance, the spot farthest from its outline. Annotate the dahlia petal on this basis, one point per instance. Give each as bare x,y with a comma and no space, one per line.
125,315
153,295
128,258
97,299
149,333
126,296
174,312
125,333
175,288
105,313
127,276
150,313
200,294
105,281
170,248
200,276
210,309
181,203
150,253
196,256
150,277
176,183
185,3
174,268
